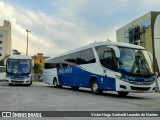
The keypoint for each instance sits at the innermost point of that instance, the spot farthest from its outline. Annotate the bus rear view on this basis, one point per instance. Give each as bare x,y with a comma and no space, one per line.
18,70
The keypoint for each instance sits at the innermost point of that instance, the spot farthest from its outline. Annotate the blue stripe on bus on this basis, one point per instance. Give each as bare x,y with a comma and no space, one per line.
138,79
17,76
76,76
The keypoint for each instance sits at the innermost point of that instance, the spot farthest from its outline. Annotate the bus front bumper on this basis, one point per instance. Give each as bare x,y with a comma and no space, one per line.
18,80
137,87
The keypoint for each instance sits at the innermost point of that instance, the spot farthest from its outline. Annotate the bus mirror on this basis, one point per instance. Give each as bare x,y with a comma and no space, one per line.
116,50
150,55
32,63
5,62
156,73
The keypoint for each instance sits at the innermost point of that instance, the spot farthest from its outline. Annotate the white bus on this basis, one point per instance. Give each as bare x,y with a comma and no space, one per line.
103,66
19,69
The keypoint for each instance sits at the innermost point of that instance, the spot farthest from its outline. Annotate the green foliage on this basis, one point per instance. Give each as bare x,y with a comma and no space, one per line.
38,69
2,61
35,56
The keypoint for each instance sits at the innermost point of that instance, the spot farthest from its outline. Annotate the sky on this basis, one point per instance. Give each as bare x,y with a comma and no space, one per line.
58,26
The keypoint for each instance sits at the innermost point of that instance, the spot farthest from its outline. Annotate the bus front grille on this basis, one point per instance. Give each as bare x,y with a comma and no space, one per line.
17,78
140,88
142,83
17,81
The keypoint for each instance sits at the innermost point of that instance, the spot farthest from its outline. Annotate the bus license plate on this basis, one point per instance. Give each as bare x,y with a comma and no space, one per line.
140,91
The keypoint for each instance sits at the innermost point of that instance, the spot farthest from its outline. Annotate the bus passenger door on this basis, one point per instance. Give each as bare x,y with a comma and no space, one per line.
108,62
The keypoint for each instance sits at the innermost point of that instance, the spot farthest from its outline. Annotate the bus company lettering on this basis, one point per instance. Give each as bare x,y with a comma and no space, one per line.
66,70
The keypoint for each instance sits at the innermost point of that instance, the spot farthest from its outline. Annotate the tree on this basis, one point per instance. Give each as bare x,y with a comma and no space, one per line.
16,52
38,69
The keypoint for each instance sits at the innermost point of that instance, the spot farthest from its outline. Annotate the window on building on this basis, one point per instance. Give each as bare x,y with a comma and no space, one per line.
0,42
0,54
0,48
1,35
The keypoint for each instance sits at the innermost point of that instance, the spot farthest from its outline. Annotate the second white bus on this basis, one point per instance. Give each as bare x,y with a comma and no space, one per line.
19,69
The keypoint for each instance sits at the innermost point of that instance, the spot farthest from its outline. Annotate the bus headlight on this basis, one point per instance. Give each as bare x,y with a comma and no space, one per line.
120,78
27,77
8,76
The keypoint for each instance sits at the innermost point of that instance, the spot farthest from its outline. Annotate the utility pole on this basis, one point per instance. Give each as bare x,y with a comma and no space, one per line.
27,41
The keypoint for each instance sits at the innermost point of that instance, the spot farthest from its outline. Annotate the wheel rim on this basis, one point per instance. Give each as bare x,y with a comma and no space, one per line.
55,83
95,87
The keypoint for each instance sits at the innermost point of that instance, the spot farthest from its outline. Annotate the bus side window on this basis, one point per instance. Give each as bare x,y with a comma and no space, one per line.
46,66
64,65
87,56
108,60
57,65
49,65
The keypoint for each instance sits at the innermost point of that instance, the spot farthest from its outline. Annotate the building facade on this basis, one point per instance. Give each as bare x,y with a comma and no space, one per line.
144,31
39,58
5,39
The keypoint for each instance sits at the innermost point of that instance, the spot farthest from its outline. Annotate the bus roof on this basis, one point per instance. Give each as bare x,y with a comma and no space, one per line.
122,44
19,57
99,44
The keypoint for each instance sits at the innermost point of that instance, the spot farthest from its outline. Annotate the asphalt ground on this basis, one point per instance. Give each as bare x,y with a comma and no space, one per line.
42,97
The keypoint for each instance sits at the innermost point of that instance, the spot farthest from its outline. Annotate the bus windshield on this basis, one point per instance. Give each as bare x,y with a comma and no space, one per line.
135,61
18,66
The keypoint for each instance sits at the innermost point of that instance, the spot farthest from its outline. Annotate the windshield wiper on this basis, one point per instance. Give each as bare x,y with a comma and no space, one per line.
142,62
21,69
135,64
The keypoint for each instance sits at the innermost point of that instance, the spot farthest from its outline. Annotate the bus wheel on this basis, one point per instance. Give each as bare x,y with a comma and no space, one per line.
55,84
74,88
94,88
10,84
28,85
123,94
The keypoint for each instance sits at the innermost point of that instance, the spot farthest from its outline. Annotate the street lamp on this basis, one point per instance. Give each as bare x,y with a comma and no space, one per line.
27,41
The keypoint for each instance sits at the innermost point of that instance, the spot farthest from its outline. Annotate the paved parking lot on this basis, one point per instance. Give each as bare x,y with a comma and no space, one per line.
42,97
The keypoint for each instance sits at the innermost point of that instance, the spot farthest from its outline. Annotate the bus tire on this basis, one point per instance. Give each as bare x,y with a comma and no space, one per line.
94,88
28,85
31,82
10,84
123,94
74,88
55,83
